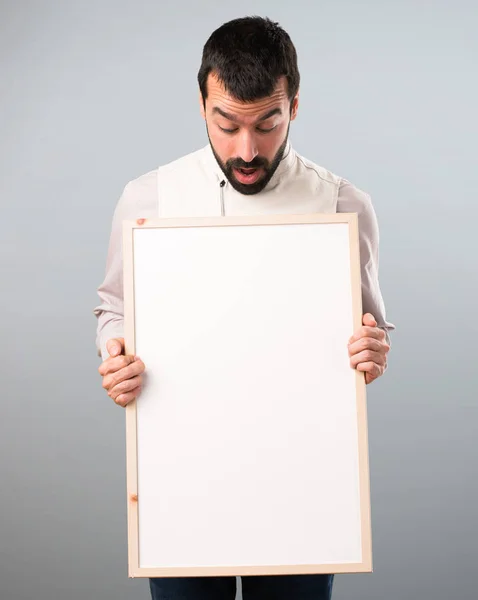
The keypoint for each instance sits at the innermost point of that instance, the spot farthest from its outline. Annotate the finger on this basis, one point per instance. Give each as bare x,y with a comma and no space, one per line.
369,320
132,369
367,356
115,347
124,387
366,331
124,399
367,343
370,368
112,365
369,378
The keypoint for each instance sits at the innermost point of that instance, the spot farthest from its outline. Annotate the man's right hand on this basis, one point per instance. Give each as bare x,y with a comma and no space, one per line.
122,375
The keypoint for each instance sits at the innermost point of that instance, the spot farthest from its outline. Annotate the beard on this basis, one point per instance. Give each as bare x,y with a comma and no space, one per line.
259,162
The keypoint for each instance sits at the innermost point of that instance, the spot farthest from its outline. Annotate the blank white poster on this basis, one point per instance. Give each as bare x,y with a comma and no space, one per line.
247,439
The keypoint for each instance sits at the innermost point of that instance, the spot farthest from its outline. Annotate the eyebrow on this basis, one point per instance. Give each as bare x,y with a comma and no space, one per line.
230,117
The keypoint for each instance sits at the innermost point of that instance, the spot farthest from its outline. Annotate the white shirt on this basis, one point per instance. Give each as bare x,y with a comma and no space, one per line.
194,185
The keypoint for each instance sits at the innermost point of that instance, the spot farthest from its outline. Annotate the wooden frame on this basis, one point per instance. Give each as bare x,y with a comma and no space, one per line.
134,566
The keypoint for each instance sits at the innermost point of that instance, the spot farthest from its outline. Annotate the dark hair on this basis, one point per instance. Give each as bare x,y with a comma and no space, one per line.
249,55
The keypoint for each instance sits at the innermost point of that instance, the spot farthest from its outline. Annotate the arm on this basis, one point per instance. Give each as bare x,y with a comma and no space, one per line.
369,346
122,375
138,200
109,312
351,199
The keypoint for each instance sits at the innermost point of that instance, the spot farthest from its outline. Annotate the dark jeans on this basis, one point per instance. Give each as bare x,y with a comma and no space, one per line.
277,587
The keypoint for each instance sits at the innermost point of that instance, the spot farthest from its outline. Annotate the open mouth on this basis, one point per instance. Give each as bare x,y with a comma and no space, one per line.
247,175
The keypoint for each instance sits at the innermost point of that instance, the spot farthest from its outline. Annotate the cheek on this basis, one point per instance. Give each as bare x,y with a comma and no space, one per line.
223,145
268,145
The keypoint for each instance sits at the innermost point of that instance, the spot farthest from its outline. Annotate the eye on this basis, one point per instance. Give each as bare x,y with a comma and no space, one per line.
227,130
263,130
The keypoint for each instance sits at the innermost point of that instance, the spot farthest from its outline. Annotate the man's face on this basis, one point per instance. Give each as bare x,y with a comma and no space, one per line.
248,139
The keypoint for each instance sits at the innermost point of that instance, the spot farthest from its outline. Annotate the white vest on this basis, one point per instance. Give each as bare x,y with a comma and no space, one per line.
195,186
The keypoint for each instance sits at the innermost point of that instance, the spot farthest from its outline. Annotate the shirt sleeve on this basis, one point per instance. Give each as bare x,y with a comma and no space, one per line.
138,200
353,200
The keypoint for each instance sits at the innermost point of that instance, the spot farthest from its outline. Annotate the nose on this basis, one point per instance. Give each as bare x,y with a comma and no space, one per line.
247,149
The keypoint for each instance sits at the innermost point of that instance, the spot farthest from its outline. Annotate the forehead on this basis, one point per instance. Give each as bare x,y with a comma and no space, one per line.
217,96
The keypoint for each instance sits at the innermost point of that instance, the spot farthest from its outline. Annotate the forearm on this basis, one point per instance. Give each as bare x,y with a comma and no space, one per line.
138,200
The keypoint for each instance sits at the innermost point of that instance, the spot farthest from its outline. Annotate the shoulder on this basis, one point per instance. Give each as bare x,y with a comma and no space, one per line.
350,198
146,184
139,195
183,162
318,171
353,199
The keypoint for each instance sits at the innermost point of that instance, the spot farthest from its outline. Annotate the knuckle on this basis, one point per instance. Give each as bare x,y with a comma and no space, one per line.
122,398
365,343
125,385
127,367
139,367
120,387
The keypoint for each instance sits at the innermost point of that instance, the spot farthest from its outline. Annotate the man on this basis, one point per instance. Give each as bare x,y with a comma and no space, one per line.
249,95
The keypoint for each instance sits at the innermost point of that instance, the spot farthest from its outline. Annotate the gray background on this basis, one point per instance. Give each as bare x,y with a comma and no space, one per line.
94,94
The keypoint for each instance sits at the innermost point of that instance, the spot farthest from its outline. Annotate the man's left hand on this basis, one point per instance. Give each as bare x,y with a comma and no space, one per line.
368,349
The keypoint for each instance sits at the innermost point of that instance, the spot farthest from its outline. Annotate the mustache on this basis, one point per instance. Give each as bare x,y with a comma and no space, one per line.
238,163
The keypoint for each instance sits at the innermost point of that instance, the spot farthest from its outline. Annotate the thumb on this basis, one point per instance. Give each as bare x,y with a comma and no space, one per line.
369,320
115,347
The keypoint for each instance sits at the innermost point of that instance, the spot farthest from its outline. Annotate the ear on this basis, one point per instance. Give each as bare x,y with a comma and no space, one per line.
201,105
294,107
